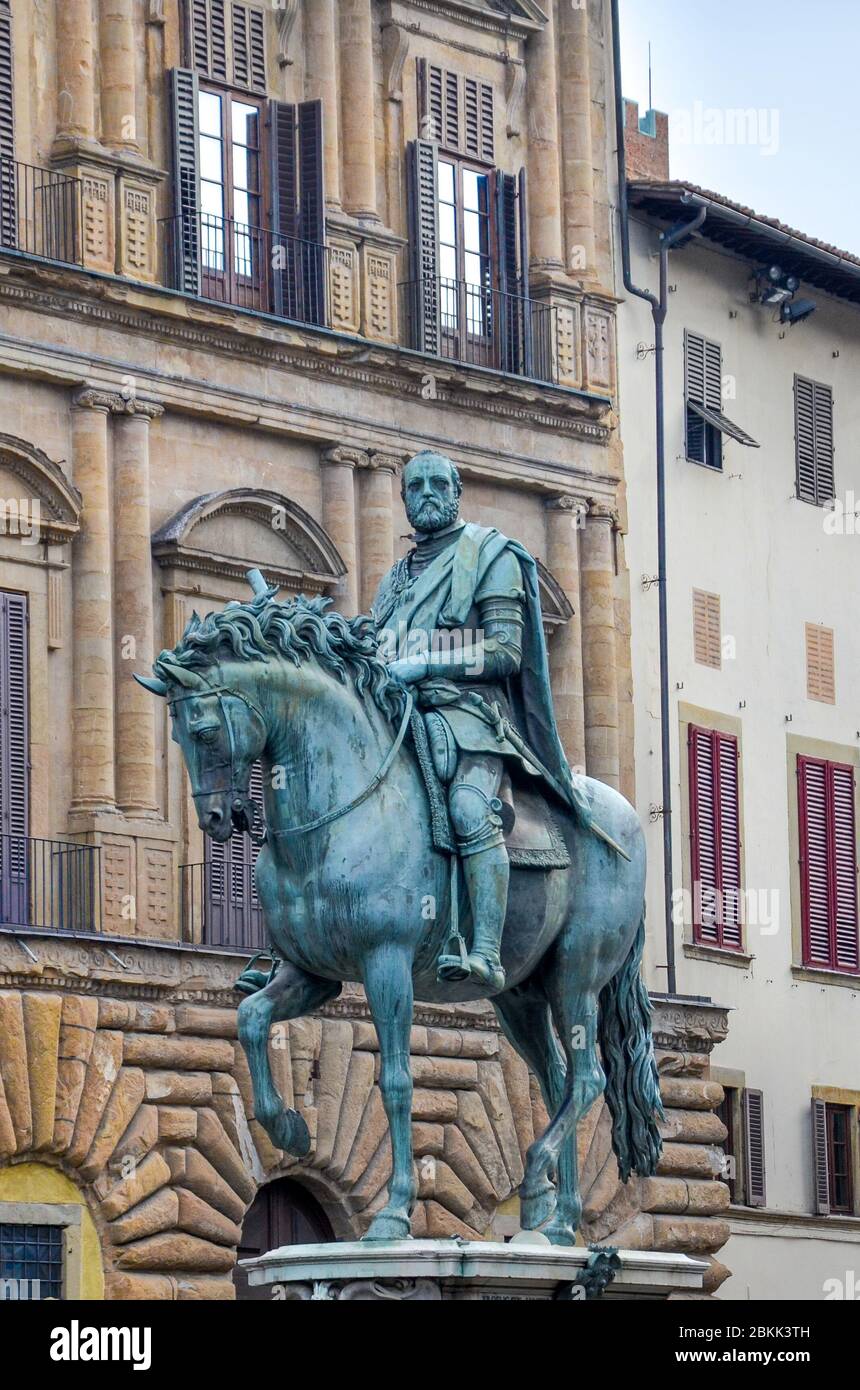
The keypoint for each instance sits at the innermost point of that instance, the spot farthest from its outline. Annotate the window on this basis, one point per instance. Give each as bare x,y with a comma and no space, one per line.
742,1113
828,864
33,1255
813,440
703,395
820,670
231,242
707,645
715,846
465,270
834,1144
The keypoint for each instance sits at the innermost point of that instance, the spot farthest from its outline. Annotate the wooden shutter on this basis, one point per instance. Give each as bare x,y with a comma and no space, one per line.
456,111
813,440
819,1156
232,912
207,38
14,758
424,244
820,669
755,1186
715,842
8,189
707,638
511,318
184,89
703,376
828,864
227,42
298,209
249,48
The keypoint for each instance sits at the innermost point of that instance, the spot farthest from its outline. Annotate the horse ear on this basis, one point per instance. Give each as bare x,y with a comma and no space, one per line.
151,683
185,677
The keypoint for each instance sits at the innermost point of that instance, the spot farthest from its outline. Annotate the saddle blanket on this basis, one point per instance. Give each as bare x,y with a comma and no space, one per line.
534,840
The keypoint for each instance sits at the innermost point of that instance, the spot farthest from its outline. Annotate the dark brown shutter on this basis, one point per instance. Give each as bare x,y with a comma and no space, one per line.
755,1185
8,198
511,316
233,915
249,47
819,1157
424,244
813,440
185,247
14,757
298,210
206,33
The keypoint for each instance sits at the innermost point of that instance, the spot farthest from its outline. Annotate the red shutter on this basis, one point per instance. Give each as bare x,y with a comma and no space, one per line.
715,838
828,864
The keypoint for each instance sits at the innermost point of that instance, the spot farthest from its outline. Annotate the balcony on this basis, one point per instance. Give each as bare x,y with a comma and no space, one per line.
50,884
229,262
40,212
219,907
480,327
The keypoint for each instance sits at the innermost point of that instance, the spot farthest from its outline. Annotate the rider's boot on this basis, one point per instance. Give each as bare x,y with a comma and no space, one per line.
487,874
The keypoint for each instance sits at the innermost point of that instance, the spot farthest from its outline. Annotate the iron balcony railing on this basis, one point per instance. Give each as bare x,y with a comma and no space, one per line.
480,326
231,262
40,212
50,883
219,907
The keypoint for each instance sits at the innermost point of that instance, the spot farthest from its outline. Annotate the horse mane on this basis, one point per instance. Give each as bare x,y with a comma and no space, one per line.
298,630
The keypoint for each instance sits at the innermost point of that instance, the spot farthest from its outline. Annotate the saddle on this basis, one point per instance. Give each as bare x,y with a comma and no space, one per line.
532,835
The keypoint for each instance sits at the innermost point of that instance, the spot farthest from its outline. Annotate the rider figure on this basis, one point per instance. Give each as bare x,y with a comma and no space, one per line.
461,617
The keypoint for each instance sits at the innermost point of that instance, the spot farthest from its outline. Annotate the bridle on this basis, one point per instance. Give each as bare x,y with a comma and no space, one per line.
240,801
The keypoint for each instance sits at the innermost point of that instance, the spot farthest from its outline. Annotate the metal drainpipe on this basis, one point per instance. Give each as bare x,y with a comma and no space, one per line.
659,307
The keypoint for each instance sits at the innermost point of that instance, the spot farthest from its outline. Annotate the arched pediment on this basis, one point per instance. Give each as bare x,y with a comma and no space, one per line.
554,603
226,533
26,473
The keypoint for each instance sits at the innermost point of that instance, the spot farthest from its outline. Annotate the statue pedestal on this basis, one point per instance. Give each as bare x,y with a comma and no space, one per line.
432,1270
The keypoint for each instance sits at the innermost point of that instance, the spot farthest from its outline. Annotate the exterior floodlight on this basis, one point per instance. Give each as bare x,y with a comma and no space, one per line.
796,310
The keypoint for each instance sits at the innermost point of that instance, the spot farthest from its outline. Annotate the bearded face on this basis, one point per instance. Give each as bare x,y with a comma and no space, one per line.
431,493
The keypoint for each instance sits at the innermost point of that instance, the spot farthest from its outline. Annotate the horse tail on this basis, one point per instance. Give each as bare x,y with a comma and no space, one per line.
632,1083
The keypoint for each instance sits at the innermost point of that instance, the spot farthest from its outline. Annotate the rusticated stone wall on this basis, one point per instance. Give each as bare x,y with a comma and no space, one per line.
126,1074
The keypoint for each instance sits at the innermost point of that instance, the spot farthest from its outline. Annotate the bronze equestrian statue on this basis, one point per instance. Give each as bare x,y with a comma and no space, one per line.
404,755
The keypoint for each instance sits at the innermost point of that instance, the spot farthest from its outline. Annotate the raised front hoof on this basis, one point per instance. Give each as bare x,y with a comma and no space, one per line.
289,1132
537,1207
389,1225
560,1233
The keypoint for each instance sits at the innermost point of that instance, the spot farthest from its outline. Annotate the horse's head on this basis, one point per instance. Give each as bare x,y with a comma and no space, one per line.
221,731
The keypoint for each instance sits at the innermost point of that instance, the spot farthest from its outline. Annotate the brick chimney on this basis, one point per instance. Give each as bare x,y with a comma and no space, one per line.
646,143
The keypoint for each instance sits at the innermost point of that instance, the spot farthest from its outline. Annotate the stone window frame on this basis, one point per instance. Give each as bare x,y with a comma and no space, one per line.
839,1095
62,1214
724,724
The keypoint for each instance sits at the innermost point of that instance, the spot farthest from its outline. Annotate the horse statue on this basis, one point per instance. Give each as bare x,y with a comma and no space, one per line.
353,888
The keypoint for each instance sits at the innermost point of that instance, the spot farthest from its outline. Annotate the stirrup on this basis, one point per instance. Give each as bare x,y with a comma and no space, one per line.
452,965
250,980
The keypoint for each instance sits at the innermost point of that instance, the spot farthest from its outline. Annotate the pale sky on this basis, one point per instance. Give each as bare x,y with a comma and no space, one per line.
792,67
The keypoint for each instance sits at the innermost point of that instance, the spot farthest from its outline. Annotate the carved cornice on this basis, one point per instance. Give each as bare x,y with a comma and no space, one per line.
697,1026
390,370
393,463
521,17
345,457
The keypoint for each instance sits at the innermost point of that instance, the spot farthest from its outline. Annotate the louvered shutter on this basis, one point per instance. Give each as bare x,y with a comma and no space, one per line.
207,38
828,864
715,838
754,1149
184,89
312,210
478,133
813,435
424,243
296,139
456,111
819,1157
249,48
8,188
14,757
232,913
707,635
285,207
703,374
511,316
844,860
820,664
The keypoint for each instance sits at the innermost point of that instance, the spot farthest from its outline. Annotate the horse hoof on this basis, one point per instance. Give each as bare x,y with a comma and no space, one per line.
537,1207
560,1233
289,1132
388,1225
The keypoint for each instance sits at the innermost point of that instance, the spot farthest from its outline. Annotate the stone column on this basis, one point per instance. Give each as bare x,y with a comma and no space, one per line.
93,708
358,133
377,524
75,69
600,678
543,152
135,707
575,92
338,509
564,516
321,83
118,59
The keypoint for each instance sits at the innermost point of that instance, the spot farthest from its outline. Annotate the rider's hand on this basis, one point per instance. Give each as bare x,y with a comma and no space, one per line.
409,669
